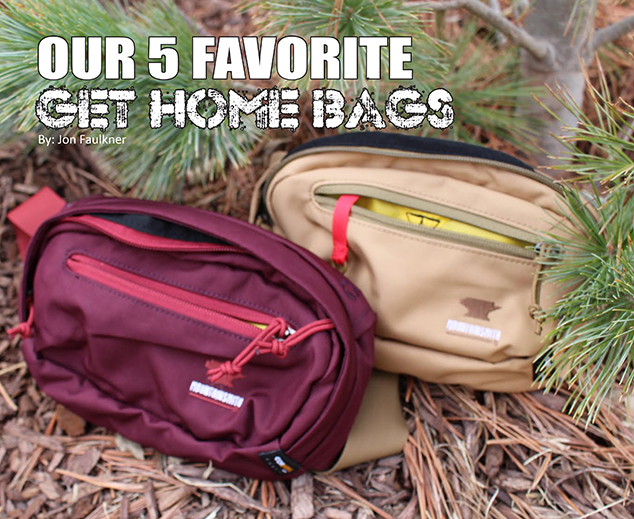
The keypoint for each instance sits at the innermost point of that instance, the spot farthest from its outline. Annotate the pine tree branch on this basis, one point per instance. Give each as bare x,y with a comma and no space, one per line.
438,6
612,32
540,49
499,37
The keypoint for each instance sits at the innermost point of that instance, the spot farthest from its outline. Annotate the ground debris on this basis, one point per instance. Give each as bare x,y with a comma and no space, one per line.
302,490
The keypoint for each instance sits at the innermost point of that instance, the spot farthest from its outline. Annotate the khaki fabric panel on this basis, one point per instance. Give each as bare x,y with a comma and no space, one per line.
276,158
449,312
512,210
445,191
420,295
509,376
380,429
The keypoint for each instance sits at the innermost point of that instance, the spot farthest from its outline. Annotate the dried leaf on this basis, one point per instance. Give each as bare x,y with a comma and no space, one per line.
47,486
82,508
514,482
33,507
69,422
333,513
493,460
82,463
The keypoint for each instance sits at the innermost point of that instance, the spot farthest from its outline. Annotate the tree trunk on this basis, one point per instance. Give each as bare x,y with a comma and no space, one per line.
553,21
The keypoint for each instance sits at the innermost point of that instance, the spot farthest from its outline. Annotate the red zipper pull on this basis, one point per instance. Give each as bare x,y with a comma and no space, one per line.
268,341
24,329
340,217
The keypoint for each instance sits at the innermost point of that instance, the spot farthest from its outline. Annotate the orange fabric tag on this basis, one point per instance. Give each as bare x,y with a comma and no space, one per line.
28,216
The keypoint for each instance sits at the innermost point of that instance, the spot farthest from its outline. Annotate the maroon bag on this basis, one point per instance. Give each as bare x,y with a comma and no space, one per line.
197,334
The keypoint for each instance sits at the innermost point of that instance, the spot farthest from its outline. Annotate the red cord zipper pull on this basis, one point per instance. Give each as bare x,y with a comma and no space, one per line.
268,341
24,329
340,217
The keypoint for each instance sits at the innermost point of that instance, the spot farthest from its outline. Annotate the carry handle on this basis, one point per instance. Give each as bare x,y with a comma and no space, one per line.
28,216
340,217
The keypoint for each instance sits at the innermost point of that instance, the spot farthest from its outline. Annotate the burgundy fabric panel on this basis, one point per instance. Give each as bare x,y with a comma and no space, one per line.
127,360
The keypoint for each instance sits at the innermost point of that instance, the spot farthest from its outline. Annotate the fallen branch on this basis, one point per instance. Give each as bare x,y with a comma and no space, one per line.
345,489
104,483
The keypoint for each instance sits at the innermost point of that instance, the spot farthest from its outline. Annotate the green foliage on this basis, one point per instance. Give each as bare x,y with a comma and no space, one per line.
487,88
485,82
610,137
156,162
592,345
357,18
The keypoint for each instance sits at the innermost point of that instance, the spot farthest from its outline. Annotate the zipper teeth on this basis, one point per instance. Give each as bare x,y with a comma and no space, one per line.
204,248
189,304
167,297
163,249
420,204
472,241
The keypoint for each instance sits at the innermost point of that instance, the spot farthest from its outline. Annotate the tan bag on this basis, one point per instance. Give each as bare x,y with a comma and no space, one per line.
442,238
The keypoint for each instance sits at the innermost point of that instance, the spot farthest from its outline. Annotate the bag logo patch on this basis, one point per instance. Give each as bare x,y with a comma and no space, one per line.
215,395
473,331
478,308
279,462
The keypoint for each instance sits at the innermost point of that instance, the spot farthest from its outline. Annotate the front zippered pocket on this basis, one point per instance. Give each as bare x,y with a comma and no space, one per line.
216,312
268,334
420,216
142,232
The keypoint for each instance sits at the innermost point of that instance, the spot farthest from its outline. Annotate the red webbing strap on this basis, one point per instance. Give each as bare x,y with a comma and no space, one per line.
340,218
27,217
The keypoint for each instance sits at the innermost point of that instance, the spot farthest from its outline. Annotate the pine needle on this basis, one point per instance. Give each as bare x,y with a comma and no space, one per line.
156,163
591,348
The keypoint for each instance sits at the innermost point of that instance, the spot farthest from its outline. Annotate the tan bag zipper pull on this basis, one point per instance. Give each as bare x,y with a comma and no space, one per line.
340,217
544,252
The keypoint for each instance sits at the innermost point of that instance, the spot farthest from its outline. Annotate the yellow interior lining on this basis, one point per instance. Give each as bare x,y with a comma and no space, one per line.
261,326
417,217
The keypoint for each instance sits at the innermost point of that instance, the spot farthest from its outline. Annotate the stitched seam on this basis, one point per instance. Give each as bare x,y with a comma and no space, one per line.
154,307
